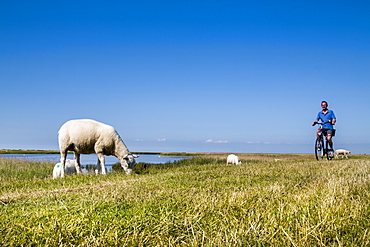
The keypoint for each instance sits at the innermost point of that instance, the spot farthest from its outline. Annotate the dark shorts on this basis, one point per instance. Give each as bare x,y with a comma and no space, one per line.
328,132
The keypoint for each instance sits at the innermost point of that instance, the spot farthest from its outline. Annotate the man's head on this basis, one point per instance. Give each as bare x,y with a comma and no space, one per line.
324,105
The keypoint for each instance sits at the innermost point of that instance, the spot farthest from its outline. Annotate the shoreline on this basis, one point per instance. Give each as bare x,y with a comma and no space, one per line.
39,151
245,156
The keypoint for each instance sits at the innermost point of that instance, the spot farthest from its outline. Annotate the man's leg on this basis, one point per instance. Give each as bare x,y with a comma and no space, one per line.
330,141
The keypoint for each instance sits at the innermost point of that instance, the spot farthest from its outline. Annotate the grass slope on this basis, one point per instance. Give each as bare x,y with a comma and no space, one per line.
196,202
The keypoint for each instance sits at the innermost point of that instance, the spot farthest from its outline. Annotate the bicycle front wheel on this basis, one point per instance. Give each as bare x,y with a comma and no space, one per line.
319,148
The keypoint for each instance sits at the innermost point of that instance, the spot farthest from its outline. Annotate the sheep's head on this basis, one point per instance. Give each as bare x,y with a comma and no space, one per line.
128,163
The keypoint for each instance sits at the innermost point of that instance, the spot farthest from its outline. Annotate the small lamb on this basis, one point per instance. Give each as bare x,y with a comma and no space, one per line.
70,168
342,152
233,159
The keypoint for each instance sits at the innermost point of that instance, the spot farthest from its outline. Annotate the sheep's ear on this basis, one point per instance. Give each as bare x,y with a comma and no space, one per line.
133,155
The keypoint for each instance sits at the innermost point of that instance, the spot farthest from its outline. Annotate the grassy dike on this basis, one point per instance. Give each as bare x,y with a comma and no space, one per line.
195,202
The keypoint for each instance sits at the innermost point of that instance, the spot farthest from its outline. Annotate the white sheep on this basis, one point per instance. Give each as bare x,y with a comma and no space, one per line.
70,168
233,159
342,152
86,136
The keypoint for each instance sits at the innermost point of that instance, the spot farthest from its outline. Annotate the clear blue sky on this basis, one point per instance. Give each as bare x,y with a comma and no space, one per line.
194,76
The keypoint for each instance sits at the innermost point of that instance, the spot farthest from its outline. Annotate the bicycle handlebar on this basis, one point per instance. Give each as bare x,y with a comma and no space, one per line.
321,123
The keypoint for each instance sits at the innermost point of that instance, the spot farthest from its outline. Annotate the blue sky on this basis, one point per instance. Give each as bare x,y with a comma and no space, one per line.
192,76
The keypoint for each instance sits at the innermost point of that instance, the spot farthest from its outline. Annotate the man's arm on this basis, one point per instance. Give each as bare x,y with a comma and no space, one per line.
334,120
316,120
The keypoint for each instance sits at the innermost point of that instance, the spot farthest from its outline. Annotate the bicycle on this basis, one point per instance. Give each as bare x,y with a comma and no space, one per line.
322,145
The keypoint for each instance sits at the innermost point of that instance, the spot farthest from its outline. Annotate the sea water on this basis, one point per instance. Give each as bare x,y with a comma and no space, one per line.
91,159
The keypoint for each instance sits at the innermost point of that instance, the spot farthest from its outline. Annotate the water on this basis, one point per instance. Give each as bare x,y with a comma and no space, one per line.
91,159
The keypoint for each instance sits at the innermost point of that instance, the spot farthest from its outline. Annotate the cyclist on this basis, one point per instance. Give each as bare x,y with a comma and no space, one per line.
327,116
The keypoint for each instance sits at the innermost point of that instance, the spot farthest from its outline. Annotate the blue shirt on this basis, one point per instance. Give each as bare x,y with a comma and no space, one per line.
329,116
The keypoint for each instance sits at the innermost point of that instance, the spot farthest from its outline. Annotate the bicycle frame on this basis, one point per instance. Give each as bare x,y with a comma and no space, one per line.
322,145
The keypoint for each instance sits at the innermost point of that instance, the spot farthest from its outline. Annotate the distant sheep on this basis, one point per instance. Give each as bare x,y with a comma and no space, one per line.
342,152
70,168
233,159
86,136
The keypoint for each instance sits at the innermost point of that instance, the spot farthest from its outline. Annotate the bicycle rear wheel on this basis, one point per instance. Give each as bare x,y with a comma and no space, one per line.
319,148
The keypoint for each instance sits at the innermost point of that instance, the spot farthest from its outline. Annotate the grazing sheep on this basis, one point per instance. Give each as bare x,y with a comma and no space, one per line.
342,152
70,168
86,136
233,159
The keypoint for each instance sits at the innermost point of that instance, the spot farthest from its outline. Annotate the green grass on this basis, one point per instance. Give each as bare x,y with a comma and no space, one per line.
196,202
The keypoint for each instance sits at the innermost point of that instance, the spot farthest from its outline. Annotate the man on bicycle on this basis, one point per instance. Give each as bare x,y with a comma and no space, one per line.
327,116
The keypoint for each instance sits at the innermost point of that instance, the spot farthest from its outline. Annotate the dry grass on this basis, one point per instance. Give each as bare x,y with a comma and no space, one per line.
196,202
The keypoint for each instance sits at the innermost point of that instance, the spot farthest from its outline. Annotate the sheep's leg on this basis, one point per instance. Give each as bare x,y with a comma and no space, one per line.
63,157
77,163
102,162
98,167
